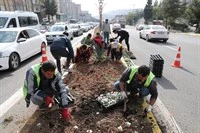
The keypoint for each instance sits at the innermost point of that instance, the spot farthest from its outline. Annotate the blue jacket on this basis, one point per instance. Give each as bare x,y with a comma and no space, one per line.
61,44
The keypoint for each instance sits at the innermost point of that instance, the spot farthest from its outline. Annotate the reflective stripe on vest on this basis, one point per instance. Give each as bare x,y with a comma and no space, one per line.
134,69
36,69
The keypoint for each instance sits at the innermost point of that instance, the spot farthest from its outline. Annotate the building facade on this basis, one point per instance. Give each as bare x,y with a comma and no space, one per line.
66,9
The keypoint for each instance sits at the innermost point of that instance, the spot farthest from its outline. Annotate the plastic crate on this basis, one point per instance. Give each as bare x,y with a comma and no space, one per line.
156,65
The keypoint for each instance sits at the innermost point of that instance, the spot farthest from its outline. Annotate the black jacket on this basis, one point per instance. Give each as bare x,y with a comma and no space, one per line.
60,44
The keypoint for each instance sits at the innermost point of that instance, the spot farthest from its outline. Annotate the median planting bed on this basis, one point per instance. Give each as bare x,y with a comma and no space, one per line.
87,82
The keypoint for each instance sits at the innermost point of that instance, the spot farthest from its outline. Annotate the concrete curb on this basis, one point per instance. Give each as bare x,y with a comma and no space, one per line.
189,33
165,119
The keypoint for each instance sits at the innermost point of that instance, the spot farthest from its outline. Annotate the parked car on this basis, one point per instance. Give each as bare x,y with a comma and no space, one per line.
57,30
18,44
43,29
77,30
84,27
154,32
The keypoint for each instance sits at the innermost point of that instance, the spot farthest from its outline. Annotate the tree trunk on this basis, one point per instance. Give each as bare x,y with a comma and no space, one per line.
49,18
32,6
5,5
23,5
198,27
14,5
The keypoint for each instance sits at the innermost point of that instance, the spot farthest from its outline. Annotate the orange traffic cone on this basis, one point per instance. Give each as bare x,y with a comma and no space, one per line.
44,56
177,62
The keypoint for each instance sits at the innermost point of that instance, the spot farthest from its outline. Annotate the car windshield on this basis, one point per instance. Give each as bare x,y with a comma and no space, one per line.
7,36
158,27
3,21
57,28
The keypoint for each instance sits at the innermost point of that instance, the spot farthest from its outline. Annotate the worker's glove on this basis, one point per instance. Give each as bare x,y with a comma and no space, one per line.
49,101
27,99
65,114
123,94
148,108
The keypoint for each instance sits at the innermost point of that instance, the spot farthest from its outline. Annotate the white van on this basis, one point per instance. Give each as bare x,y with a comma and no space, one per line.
10,19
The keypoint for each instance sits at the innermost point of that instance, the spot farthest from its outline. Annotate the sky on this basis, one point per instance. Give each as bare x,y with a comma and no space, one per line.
110,5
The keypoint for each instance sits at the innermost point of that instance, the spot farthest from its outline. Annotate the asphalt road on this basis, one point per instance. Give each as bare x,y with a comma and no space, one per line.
178,88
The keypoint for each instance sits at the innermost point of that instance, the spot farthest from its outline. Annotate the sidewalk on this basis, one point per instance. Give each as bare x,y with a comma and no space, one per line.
186,33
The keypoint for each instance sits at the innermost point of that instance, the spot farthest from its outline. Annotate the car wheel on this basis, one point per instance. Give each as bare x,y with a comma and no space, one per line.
147,38
165,40
14,61
140,36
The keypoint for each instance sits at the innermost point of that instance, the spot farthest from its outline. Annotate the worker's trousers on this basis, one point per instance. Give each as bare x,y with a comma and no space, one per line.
106,38
99,50
61,53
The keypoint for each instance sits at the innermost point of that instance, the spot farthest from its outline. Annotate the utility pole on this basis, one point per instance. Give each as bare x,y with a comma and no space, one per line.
100,12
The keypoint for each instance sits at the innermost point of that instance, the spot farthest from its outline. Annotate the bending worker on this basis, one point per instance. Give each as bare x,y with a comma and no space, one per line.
87,40
124,35
62,47
43,84
116,50
138,80
83,54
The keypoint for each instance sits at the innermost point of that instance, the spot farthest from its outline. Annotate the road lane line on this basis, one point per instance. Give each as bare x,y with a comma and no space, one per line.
171,48
4,107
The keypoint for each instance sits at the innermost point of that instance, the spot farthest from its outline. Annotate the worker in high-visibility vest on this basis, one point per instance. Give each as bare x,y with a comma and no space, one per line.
138,80
87,40
43,84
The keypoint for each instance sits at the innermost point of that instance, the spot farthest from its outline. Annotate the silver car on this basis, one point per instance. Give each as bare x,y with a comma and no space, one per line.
59,30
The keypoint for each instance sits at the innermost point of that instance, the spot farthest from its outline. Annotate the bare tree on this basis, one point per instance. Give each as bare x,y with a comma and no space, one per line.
5,5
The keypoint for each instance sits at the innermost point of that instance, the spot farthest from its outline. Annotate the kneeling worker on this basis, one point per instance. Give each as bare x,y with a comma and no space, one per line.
116,50
138,79
83,54
43,84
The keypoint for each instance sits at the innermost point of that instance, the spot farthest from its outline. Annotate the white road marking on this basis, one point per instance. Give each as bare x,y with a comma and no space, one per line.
171,48
4,107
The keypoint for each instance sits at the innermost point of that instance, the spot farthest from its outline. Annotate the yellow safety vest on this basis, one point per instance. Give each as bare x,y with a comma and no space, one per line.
134,69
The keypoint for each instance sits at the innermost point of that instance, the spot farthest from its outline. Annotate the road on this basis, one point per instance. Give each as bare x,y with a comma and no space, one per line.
178,88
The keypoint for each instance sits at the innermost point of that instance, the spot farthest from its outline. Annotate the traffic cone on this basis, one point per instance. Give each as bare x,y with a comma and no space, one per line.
177,62
44,56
